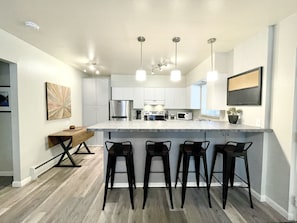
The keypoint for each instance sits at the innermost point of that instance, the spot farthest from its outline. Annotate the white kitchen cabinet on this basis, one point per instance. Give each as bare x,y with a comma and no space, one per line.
193,97
122,93
138,97
154,94
216,93
96,95
175,98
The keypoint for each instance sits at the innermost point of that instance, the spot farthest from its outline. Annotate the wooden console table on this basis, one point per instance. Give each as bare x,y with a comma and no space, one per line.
76,136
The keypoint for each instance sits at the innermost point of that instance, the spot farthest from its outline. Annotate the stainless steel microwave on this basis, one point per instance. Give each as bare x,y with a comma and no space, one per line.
184,115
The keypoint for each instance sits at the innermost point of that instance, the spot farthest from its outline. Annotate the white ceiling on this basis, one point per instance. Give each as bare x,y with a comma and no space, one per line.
106,31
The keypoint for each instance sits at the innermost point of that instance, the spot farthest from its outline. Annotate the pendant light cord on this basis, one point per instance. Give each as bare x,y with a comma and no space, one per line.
141,54
211,41
175,55
211,50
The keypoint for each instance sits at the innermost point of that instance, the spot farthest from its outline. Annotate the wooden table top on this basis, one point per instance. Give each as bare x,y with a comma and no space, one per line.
78,135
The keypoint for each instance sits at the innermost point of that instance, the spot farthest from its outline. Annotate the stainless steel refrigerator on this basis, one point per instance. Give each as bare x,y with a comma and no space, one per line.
120,110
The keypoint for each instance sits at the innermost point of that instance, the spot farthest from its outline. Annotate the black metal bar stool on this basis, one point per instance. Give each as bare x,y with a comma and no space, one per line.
231,150
196,150
157,149
116,149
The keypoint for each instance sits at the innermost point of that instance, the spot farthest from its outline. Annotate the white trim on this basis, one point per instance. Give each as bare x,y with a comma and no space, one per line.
21,183
277,207
6,173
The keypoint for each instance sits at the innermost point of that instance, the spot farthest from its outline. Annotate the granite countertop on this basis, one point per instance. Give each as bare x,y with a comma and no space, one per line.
172,126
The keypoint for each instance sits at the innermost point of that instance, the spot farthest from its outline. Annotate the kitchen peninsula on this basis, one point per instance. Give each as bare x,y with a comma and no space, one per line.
139,131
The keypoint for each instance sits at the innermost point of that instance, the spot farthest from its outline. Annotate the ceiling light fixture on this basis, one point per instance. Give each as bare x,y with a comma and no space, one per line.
161,66
212,75
140,73
92,67
175,74
32,25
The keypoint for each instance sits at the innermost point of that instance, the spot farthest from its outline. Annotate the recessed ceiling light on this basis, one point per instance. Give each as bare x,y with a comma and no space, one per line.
32,25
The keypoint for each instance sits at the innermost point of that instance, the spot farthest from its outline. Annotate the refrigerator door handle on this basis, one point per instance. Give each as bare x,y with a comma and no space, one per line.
119,117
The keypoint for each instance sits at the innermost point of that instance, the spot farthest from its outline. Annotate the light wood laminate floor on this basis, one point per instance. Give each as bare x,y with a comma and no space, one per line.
76,194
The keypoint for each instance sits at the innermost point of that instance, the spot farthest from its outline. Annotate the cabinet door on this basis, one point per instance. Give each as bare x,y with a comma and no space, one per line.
193,93
102,91
89,91
216,93
175,98
122,93
138,97
154,94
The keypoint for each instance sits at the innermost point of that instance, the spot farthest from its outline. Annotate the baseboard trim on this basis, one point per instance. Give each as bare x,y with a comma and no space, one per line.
22,182
278,208
6,173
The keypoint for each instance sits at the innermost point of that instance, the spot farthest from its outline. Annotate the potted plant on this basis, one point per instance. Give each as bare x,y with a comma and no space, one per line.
233,114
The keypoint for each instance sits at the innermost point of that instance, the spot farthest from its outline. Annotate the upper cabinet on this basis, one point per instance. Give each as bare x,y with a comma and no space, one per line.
216,93
175,98
122,93
138,97
193,97
154,94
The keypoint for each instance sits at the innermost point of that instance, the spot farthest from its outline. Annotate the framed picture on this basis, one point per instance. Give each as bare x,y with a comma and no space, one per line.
58,101
245,88
5,99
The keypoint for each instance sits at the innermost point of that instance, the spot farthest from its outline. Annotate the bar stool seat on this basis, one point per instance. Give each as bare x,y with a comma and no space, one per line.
117,149
157,149
231,150
197,150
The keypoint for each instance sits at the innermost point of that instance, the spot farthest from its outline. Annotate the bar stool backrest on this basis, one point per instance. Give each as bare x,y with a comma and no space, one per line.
196,146
240,146
159,146
117,147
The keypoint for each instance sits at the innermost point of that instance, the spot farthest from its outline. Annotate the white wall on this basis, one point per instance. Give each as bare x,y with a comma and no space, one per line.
34,68
248,55
279,147
283,113
120,80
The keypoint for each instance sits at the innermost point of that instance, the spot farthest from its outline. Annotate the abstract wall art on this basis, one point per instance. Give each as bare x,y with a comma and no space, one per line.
58,101
4,99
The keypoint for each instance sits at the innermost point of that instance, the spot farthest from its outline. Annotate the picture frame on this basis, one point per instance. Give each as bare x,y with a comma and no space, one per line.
245,88
58,101
5,104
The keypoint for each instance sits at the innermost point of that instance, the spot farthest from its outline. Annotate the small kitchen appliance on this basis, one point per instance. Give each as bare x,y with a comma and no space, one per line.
184,115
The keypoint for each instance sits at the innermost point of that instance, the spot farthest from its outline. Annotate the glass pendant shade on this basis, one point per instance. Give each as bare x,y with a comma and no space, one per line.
140,75
175,75
212,76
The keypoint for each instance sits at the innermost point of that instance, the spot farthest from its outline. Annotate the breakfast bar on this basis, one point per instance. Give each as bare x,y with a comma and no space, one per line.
217,132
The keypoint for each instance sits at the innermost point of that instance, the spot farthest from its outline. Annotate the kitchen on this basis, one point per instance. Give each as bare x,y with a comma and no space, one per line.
278,95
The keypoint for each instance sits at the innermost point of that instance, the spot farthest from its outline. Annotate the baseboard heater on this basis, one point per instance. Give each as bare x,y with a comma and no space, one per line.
35,171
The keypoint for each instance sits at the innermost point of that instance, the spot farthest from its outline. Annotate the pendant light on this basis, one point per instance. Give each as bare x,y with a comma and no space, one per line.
175,74
212,75
140,73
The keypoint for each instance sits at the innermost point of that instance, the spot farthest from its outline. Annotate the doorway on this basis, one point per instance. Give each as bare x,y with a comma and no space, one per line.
8,123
